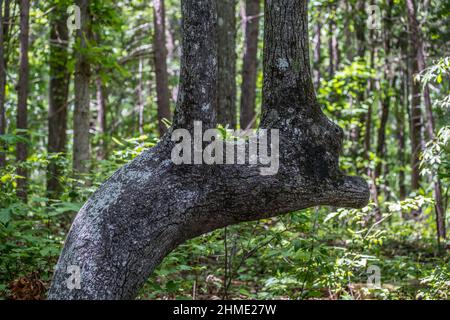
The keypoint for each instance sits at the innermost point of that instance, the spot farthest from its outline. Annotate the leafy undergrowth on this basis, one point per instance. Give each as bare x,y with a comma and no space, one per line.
310,255
318,253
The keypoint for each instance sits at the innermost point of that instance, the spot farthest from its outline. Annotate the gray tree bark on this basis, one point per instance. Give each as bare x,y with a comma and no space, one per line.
160,59
226,33
151,205
58,95
250,64
81,118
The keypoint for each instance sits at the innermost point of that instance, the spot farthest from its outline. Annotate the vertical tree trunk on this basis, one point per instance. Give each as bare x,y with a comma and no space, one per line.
400,121
419,49
22,97
250,64
226,90
4,21
317,53
140,96
160,59
360,25
368,120
81,117
385,104
349,53
58,95
333,47
101,96
416,113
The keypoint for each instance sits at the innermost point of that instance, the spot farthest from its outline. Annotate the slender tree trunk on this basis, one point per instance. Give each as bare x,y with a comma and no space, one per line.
360,25
151,205
22,97
140,96
160,59
419,49
386,101
81,117
347,31
226,33
368,120
4,21
400,120
101,96
416,113
250,18
317,53
58,95
333,47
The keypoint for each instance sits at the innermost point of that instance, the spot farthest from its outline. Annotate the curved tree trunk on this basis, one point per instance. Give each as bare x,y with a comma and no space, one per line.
151,205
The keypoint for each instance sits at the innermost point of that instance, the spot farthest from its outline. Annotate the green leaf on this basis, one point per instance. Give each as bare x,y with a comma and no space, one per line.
5,215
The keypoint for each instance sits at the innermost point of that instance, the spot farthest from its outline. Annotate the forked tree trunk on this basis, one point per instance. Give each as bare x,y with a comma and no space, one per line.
151,205
22,97
160,59
58,94
81,117
250,18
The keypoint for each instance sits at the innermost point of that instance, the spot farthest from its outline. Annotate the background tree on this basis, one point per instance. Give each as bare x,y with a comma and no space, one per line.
226,34
22,99
4,20
58,95
250,18
160,59
81,116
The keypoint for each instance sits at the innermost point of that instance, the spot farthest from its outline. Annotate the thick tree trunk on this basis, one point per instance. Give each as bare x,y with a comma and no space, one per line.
152,205
81,117
226,91
22,97
58,95
160,59
419,49
250,64
4,20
